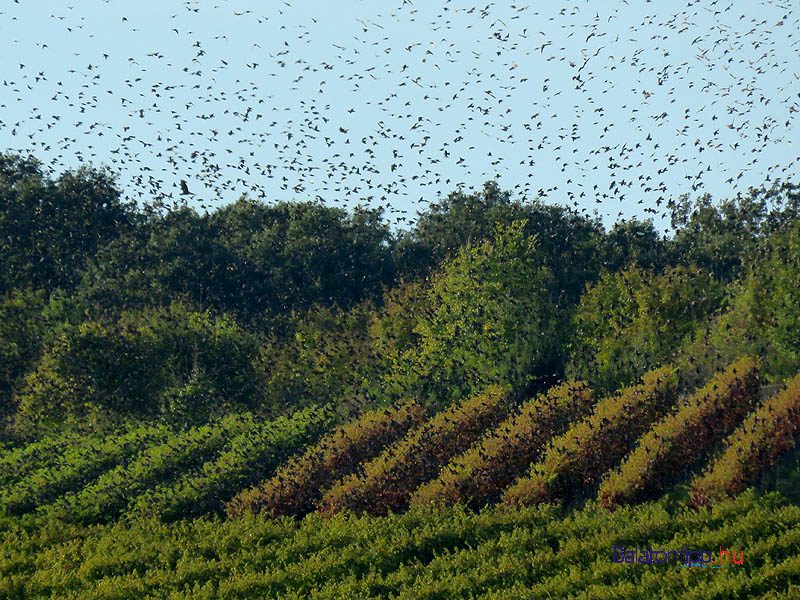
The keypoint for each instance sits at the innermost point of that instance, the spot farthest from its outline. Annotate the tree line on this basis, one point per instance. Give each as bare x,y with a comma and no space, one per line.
112,312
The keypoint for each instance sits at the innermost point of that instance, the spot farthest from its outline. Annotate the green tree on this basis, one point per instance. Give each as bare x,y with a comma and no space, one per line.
172,256
258,262
634,320
393,329
491,320
48,228
22,328
328,358
720,237
634,242
304,253
761,316
568,243
773,296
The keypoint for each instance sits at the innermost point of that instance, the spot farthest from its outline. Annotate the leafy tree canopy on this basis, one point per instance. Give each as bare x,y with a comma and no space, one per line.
633,320
491,320
48,228
175,362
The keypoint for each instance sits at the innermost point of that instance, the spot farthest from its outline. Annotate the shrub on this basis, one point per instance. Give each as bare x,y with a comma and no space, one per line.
21,331
762,318
684,436
388,481
328,357
175,362
578,458
299,483
479,476
768,432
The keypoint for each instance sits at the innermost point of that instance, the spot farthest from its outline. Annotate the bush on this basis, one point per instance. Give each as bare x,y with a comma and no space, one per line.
683,437
578,458
21,331
388,481
478,476
177,363
770,431
328,358
762,318
300,482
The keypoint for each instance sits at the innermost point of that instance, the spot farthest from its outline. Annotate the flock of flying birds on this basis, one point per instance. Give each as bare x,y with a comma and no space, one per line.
613,110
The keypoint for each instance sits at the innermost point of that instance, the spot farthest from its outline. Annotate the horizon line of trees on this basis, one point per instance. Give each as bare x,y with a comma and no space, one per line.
111,312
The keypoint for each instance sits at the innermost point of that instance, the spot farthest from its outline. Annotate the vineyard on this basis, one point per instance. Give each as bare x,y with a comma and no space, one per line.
406,300
485,499
631,446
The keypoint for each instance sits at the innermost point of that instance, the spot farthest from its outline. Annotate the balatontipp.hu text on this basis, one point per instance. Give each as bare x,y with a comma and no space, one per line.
685,557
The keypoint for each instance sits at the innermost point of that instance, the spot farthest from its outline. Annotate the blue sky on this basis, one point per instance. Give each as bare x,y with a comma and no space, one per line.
607,106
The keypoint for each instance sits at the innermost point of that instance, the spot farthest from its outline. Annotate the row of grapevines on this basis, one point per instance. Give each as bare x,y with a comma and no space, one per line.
347,546
767,432
296,486
389,480
590,447
684,436
77,467
249,457
581,558
111,494
16,464
478,476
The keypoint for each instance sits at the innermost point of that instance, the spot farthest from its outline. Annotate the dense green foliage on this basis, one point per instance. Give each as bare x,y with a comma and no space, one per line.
489,306
19,462
569,244
722,237
175,362
21,331
246,459
82,461
114,492
341,312
255,261
634,320
760,319
49,228
330,357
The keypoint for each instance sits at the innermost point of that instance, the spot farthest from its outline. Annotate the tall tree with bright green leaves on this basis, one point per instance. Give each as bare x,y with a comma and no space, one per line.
491,319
